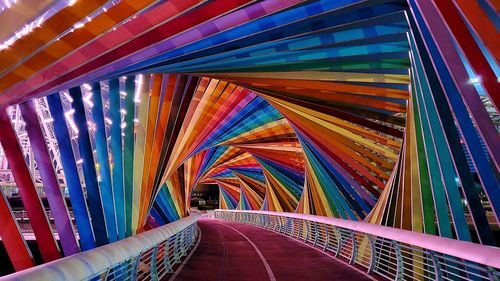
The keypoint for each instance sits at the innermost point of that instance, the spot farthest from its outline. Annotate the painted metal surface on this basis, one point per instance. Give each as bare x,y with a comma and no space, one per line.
41,227
129,256
53,192
370,111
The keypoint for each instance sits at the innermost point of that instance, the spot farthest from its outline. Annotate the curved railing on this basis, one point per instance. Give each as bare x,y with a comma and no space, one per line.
146,256
389,252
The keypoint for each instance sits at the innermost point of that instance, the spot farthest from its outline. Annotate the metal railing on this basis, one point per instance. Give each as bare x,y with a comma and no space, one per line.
23,220
22,215
146,256
389,252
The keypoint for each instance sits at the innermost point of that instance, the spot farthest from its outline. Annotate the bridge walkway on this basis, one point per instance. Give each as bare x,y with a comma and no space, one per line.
233,251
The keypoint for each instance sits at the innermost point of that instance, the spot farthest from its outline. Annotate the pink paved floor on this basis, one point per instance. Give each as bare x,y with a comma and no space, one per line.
225,254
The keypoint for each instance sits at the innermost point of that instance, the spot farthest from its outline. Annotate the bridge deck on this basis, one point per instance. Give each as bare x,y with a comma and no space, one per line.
232,251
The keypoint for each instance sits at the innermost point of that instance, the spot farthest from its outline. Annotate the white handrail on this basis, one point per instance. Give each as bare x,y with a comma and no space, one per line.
482,254
84,265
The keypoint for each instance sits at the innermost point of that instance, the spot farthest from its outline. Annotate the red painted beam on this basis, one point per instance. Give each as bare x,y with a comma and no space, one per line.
471,50
13,240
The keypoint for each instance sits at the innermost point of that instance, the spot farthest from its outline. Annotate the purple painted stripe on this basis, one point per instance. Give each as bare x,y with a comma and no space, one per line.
32,203
49,179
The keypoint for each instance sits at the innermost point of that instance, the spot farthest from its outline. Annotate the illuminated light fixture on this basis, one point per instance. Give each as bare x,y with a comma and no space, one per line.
108,120
80,161
136,120
123,111
474,80
48,120
78,25
124,125
124,77
26,29
66,94
123,93
123,134
71,2
104,9
70,120
87,86
8,3
138,88
87,100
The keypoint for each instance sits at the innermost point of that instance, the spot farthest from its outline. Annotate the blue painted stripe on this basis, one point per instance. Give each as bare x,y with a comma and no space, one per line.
103,161
90,176
70,170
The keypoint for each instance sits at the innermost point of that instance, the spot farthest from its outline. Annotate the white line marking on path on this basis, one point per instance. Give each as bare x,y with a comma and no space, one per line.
263,259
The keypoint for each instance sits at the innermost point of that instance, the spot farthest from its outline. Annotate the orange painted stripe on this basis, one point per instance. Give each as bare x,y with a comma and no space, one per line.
319,86
154,98
52,27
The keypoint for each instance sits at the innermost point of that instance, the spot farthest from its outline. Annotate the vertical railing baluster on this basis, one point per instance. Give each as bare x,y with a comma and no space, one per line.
153,267
399,261
354,250
436,265
307,231
290,227
339,242
373,254
166,257
298,226
177,257
105,277
491,276
316,233
327,237
135,267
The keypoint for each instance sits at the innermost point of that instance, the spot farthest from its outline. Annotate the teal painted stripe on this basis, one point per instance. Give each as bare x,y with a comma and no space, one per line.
116,152
128,152
103,161
437,185
445,160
